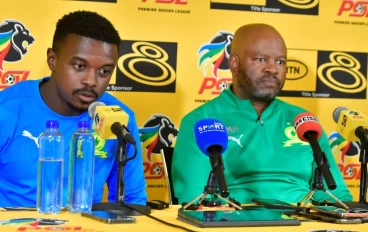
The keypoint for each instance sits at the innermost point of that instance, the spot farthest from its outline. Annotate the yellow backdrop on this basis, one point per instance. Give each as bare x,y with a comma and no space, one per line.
174,58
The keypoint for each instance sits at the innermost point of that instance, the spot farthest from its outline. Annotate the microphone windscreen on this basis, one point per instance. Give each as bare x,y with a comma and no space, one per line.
209,132
337,112
304,122
92,108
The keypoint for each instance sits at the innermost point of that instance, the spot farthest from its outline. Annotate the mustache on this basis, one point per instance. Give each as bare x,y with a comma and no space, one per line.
85,90
270,76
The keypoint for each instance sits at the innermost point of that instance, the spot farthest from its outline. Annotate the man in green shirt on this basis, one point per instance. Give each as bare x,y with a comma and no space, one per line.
264,157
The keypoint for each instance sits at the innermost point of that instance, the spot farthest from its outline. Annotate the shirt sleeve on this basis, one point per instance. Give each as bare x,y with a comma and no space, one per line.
341,192
134,181
190,167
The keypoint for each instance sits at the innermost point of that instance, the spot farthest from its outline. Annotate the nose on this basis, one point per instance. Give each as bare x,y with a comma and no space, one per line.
90,79
271,67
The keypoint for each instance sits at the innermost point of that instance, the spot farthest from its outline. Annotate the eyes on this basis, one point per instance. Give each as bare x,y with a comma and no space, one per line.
79,66
103,72
279,62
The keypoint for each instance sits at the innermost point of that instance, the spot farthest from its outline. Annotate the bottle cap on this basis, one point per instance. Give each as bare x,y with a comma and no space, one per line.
83,124
52,124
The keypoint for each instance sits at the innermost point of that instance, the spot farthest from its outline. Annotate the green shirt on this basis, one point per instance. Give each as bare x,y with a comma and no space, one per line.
264,157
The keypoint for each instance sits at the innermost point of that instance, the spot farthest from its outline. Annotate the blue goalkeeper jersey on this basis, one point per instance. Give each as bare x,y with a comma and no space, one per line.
23,116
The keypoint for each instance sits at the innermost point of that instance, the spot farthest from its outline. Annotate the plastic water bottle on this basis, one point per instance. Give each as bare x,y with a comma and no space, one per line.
81,169
50,169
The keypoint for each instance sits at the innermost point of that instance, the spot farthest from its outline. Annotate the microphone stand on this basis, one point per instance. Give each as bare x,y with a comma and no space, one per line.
363,159
322,171
121,158
120,207
362,205
318,185
211,188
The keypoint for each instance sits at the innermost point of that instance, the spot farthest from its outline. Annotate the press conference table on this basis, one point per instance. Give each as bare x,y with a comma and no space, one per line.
78,223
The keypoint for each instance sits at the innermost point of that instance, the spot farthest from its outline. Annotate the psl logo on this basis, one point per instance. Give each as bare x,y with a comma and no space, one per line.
14,42
215,55
158,132
33,223
356,8
345,153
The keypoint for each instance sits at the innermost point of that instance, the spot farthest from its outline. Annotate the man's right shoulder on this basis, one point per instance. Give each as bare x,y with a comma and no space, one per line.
18,92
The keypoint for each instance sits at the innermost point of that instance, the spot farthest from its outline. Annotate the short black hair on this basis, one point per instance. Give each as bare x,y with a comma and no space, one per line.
87,24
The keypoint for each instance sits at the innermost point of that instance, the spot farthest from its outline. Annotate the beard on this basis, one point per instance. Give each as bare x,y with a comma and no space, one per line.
78,107
254,89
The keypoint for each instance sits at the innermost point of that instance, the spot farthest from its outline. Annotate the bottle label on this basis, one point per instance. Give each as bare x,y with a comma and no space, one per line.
79,149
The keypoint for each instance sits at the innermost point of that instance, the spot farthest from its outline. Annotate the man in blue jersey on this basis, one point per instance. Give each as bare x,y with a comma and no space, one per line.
82,59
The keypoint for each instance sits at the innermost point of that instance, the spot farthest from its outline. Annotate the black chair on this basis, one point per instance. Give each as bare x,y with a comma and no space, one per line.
167,155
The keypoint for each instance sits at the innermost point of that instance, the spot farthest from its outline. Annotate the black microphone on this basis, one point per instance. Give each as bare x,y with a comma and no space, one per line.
218,168
121,130
212,139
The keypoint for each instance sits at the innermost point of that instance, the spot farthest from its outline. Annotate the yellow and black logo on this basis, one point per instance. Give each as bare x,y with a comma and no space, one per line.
296,70
308,7
343,123
326,74
343,74
146,67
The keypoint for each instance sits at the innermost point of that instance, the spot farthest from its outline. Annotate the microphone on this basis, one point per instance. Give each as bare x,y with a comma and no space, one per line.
109,121
309,130
350,124
211,137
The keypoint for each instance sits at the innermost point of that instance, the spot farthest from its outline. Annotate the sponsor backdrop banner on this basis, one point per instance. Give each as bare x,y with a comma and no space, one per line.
174,54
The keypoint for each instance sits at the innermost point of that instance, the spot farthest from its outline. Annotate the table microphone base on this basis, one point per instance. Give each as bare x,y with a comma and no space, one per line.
122,209
356,206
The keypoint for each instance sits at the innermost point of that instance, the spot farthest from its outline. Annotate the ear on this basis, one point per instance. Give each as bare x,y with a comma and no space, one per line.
51,59
234,64
165,122
18,27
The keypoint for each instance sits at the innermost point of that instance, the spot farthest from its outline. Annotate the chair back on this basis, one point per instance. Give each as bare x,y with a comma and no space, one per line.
167,155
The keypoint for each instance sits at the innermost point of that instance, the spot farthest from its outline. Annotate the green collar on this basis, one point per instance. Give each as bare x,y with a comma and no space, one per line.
245,106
